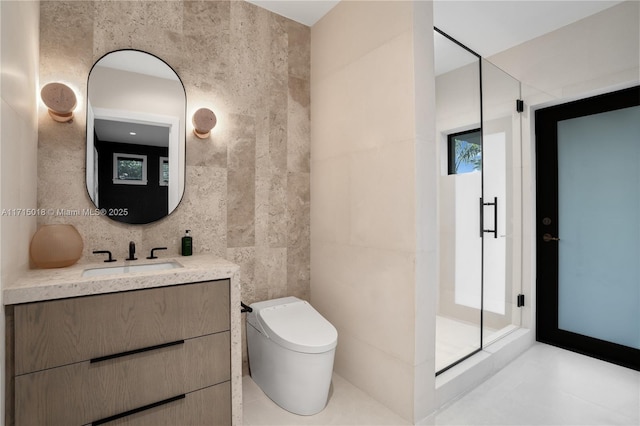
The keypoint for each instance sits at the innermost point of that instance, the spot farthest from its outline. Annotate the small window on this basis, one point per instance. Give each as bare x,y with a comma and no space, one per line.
129,169
164,171
465,152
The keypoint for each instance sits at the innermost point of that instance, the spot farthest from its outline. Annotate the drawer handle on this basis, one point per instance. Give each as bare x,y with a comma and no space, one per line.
137,410
135,351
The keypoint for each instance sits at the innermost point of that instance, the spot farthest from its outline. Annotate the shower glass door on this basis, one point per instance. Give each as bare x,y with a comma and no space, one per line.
502,197
458,122
478,127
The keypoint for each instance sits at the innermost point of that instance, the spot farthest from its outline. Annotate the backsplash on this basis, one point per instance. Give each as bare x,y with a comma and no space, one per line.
247,187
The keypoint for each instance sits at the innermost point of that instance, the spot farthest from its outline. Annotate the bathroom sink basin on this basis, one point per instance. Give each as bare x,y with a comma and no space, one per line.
95,272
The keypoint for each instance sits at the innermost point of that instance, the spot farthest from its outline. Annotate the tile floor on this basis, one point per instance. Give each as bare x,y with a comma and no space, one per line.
544,386
347,405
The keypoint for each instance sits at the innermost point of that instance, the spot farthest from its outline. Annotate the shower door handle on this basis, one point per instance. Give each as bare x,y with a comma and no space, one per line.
493,231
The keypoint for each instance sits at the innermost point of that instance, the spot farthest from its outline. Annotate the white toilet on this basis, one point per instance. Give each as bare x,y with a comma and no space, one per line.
291,350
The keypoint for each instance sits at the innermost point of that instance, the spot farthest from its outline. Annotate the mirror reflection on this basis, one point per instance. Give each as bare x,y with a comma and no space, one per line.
136,107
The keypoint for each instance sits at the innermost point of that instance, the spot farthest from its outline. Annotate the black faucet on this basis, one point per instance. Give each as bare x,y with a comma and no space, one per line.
152,255
132,251
105,252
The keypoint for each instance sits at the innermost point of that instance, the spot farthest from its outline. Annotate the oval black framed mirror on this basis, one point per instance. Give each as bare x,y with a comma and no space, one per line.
136,110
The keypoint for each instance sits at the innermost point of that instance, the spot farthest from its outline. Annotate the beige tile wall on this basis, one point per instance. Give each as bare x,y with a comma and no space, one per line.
19,134
600,51
247,187
372,125
18,147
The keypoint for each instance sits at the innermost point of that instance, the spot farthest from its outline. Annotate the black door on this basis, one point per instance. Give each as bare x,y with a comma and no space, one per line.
588,226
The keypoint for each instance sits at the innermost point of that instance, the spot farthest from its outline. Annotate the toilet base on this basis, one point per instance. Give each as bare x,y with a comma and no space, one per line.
298,382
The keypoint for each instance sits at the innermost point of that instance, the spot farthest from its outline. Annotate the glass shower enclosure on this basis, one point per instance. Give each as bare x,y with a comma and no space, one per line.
478,134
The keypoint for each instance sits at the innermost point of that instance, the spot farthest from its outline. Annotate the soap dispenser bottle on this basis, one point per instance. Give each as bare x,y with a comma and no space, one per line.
187,244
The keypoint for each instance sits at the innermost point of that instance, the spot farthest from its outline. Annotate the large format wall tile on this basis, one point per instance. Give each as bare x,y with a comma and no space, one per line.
247,186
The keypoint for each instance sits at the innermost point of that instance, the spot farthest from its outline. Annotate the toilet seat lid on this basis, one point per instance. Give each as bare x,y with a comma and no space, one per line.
299,327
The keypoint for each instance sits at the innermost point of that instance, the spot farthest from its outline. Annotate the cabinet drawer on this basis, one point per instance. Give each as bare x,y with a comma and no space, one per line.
206,407
59,332
84,392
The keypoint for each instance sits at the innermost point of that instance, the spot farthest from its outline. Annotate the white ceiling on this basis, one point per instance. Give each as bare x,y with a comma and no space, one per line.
307,12
487,27
131,133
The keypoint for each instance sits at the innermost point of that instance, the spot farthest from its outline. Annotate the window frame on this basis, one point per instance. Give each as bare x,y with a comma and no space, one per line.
451,148
162,162
117,156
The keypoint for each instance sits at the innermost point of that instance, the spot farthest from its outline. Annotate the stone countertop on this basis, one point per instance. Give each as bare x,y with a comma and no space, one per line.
47,284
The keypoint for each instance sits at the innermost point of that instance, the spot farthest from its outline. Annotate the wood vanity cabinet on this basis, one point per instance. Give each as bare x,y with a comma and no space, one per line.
159,356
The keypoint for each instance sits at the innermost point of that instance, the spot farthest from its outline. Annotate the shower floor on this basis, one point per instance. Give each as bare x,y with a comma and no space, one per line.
455,339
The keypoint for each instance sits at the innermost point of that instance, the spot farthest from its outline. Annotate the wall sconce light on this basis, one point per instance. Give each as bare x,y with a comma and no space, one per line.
60,100
203,121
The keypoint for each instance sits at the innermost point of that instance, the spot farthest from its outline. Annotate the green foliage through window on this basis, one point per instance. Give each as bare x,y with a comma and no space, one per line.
130,169
465,152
